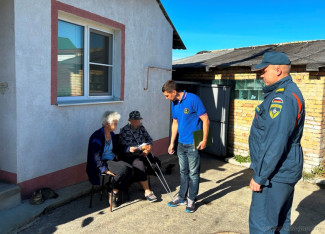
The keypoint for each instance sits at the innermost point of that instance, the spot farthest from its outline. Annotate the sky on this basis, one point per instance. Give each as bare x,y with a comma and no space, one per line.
225,24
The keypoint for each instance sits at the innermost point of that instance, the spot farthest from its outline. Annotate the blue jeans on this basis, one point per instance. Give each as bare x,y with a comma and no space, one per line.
189,163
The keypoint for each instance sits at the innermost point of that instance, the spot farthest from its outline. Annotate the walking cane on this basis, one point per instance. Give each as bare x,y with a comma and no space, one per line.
164,185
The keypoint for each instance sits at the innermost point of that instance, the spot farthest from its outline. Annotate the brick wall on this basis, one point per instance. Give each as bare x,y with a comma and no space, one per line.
312,87
241,112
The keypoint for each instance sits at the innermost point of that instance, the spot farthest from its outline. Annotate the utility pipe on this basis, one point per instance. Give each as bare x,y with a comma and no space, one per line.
158,68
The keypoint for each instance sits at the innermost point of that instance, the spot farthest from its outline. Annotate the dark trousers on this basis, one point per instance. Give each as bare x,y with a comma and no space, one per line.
123,173
270,209
141,166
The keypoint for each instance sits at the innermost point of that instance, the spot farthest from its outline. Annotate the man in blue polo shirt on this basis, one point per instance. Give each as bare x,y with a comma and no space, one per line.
189,115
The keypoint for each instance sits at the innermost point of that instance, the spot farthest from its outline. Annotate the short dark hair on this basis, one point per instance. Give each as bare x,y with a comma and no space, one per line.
169,86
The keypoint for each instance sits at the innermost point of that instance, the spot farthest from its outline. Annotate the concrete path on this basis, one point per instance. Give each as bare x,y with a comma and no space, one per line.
222,207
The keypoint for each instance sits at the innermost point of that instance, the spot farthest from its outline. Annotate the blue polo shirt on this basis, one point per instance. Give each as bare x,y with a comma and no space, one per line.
187,112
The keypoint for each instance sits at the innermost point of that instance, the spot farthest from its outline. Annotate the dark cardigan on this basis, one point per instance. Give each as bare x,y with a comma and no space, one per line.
95,151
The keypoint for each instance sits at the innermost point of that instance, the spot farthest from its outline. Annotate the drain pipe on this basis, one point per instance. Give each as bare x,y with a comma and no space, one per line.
158,68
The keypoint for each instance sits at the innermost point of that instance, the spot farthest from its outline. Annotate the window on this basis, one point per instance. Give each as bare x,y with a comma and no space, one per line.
100,64
88,67
250,89
70,60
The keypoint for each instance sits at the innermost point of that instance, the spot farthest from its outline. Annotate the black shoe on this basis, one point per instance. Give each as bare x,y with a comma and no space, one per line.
115,199
125,196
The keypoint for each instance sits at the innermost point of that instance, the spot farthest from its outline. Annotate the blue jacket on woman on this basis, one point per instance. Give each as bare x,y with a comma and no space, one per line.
95,151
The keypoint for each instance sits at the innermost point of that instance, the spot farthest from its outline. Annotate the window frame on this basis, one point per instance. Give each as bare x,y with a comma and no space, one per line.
65,12
104,33
86,60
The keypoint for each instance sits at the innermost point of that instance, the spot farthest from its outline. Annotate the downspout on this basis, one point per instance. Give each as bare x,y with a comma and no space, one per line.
158,68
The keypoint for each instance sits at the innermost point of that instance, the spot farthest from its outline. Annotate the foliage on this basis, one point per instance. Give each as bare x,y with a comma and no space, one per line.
307,176
242,159
318,171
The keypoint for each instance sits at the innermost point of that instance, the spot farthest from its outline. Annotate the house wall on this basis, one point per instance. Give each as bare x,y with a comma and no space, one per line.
242,112
8,114
52,141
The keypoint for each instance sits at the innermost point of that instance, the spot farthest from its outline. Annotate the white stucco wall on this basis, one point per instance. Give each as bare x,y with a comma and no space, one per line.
8,129
51,138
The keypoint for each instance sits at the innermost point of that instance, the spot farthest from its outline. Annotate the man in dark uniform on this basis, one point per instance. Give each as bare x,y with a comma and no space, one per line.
274,144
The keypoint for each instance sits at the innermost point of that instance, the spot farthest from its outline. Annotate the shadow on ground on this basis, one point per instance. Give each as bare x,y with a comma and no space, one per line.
315,205
78,212
223,186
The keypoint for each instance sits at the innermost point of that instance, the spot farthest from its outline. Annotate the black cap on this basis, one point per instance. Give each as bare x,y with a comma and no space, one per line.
135,115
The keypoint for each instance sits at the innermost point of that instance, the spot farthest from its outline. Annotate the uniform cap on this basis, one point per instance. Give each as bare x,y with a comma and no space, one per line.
272,58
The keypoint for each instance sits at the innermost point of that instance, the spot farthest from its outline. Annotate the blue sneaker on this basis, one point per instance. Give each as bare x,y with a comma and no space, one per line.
177,202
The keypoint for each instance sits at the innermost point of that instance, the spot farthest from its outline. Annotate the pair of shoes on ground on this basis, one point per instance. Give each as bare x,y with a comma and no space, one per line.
151,197
190,204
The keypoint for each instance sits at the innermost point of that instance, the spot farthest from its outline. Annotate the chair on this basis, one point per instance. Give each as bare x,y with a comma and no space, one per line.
103,175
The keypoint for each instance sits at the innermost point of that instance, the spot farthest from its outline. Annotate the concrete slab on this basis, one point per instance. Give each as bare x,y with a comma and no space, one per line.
9,196
222,207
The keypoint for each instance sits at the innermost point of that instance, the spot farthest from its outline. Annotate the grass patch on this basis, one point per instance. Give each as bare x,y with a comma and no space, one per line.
242,159
307,176
318,171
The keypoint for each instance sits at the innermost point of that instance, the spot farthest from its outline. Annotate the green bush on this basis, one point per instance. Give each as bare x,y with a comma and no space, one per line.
318,171
307,176
242,159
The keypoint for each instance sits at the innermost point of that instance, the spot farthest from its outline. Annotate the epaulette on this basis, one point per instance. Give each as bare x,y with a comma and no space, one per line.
279,90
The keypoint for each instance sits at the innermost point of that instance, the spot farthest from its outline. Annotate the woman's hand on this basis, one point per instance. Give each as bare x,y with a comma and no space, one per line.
109,173
133,149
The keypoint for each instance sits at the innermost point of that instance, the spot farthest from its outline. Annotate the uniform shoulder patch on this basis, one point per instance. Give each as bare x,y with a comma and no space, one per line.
275,107
279,90
257,109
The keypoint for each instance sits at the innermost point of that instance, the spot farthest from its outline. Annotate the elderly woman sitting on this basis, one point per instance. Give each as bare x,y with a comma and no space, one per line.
102,148
137,142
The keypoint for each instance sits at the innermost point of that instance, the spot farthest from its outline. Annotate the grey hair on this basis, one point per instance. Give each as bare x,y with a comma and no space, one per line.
109,117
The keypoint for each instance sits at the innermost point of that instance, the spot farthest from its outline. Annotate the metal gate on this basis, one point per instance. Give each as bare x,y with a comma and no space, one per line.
216,99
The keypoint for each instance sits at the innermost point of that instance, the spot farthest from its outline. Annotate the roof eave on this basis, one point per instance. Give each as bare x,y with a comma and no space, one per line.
177,41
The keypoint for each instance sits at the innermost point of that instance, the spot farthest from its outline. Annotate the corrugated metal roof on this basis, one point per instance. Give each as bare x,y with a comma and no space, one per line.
309,53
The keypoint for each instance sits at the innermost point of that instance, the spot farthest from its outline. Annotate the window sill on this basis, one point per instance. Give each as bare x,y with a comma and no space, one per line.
88,102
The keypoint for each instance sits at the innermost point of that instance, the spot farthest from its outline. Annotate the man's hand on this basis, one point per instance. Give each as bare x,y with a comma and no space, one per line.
171,149
255,187
202,145
133,149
